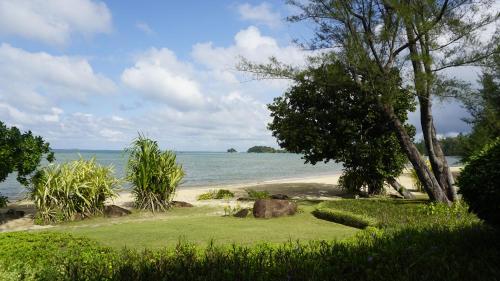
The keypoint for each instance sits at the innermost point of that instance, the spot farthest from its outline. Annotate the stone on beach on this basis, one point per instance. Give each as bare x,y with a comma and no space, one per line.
113,211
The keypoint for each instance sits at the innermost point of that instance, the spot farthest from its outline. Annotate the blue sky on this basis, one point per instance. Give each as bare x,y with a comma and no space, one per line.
90,74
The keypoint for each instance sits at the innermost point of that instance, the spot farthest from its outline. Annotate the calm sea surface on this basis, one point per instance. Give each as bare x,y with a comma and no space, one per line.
207,168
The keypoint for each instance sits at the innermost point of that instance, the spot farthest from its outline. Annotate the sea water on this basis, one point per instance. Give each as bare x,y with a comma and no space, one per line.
206,168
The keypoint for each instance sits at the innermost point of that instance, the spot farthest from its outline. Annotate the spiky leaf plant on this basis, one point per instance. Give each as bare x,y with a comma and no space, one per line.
72,190
154,174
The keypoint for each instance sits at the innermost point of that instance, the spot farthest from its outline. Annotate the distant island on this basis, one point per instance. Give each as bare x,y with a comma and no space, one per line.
232,150
264,149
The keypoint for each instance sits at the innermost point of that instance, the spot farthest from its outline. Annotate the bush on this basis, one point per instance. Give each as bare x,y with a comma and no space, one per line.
253,194
345,217
72,190
154,174
479,183
216,194
3,201
468,253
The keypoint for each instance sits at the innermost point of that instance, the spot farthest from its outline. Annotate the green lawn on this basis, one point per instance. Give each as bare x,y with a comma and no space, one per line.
200,225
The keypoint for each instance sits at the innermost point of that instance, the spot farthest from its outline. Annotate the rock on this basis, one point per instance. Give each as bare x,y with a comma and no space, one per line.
280,196
181,204
13,214
270,208
113,211
244,199
243,213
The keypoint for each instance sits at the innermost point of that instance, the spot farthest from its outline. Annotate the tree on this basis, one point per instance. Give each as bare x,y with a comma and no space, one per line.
327,116
373,37
231,150
21,153
484,108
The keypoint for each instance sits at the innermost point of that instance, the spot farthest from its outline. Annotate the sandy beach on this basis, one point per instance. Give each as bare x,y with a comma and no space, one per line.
311,188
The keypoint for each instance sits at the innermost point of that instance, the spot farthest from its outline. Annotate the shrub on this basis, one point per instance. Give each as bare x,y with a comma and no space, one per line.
72,190
479,183
3,201
345,217
154,174
216,194
469,253
253,194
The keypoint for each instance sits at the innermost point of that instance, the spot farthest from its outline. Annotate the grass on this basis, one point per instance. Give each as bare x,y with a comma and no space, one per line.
201,225
216,194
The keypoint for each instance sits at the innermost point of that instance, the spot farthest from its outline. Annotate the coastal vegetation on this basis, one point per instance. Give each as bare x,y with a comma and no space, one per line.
21,152
232,150
254,194
409,237
71,191
370,40
154,174
216,194
264,149
479,183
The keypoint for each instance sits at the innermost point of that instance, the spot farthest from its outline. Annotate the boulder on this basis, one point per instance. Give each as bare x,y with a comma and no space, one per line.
280,196
270,208
181,204
243,213
113,211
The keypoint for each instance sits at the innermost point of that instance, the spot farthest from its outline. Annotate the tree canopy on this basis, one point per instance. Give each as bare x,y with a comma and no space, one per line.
326,115
21,153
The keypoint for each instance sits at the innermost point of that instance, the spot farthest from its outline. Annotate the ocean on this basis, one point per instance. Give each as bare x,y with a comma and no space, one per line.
206,168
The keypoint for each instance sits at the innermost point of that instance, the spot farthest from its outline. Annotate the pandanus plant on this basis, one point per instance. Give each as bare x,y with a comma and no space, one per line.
154,174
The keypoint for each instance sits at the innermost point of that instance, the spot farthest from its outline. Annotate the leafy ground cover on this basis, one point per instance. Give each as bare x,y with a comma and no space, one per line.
415,241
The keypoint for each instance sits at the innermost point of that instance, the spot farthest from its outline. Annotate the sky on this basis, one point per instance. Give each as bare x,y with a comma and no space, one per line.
92,74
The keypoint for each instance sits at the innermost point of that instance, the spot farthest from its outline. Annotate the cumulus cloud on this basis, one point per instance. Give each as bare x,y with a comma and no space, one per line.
53,21
158,74
33,85
260,14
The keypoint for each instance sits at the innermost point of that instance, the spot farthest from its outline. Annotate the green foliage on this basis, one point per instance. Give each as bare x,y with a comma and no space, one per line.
326,115
470,252
479,183
484,107
451,146
21,153
3,201
397,214
263,149
231,150
417,184
72,190
154,174
216,194
254,194
345,217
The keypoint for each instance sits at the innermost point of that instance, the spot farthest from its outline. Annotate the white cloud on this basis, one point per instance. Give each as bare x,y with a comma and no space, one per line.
144,27
160,75
260,14
33,86
53,21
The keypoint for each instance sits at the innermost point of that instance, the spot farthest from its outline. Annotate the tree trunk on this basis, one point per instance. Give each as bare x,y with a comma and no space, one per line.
425,175
436,156
400,189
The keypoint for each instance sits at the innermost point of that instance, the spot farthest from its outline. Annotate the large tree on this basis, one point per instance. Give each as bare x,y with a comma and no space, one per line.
325,115
419,37
21,152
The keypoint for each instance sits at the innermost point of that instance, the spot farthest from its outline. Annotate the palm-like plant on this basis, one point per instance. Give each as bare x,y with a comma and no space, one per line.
73,189
154,174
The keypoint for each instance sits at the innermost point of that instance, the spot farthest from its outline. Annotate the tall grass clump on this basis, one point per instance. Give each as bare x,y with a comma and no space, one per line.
72,190
154,174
